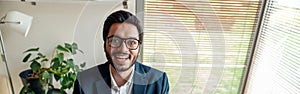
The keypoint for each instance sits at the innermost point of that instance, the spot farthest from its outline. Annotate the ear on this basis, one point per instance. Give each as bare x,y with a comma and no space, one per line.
104,46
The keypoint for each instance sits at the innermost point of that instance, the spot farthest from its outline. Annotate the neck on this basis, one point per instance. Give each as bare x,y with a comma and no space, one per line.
121,77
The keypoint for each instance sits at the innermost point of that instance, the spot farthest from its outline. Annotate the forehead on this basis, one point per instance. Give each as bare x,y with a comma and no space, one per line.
123,30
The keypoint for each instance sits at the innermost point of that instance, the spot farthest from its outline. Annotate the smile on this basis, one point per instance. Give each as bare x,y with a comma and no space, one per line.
122,57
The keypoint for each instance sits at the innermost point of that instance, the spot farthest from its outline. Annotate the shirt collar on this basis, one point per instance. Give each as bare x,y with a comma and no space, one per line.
113,82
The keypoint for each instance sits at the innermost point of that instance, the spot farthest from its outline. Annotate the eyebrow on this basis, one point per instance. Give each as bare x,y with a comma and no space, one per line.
121,37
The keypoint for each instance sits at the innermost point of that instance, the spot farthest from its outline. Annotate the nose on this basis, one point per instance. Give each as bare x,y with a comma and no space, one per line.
123,47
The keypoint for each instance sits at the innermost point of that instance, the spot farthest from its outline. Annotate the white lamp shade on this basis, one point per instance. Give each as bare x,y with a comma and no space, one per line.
25,22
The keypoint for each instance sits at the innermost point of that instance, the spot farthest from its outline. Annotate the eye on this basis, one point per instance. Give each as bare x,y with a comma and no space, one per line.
115,40
132,42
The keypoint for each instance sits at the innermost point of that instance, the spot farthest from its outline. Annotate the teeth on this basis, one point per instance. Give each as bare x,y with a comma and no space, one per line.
122,57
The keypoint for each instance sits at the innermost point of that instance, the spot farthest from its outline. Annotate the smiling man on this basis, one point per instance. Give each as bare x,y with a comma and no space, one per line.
122,74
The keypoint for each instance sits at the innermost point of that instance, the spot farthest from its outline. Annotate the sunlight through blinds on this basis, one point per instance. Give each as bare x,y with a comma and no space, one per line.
276,66
202,45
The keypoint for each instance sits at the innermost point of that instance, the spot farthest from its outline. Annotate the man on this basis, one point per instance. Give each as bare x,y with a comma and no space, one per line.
122,74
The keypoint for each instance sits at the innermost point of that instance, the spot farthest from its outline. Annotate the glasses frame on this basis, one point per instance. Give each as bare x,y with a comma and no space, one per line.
123,41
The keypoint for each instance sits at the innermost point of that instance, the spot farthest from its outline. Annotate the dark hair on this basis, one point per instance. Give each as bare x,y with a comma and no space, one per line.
121,16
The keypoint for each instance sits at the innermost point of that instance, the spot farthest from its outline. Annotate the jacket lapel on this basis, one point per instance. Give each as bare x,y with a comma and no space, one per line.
103,85
139,80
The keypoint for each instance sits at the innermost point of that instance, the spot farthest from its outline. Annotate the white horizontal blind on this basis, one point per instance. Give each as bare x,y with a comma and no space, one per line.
201,44
276,66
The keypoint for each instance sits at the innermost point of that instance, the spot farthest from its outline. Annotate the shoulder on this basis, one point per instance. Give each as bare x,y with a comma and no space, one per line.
90,79
94,69
88,71
146,69
92,73
150,73
156,79
88,75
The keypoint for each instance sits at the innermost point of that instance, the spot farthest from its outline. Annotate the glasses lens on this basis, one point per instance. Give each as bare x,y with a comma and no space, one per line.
114,41
132,43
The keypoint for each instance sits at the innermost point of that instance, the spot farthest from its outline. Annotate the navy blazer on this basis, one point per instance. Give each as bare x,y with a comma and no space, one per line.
97,80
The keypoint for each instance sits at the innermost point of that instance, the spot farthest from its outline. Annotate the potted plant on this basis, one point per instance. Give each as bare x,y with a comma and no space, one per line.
39,78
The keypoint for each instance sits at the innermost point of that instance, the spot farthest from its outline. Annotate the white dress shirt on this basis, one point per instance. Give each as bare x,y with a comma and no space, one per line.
126,88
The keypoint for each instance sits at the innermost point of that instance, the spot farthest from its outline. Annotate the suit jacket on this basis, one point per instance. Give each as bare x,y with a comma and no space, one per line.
97,80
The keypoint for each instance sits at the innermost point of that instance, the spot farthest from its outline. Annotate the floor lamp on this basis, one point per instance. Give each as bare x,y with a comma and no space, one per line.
14,21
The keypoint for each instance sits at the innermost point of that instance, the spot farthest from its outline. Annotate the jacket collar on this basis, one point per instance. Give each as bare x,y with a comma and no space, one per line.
139,78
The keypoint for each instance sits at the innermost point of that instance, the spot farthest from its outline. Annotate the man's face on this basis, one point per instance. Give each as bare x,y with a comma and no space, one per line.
122,57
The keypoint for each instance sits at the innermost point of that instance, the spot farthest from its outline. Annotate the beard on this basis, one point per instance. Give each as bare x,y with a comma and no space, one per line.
110,61
121,69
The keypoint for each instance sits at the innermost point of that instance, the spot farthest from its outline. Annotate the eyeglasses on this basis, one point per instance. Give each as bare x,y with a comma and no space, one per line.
116,42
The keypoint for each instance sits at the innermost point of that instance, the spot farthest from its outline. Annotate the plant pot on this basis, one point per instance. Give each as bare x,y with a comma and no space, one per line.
55,91
24,75
35,84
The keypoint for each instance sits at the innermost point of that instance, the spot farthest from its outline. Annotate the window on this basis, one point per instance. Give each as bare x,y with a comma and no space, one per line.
203,45
275,67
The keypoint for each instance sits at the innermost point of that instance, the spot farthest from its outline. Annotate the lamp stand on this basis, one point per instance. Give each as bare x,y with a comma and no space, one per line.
3,55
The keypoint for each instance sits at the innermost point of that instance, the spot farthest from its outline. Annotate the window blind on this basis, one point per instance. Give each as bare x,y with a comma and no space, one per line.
202,45
276,66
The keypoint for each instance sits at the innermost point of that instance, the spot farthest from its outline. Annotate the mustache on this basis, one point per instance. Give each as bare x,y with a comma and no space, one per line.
115,53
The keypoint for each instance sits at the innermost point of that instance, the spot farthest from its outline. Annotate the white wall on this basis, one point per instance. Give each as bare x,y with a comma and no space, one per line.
55,23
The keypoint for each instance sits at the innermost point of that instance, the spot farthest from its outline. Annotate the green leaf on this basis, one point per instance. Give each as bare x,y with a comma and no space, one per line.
68,46
64,62
80,51
54,59
55,63
57,77
60,57
61,48
37,58
77,69
26,57
42,80
46,88
73,76
73,51
35,66
70,63
45,59
74,46
66,83
31,92
24,88
46,75
62,91
31,49
41,55
65,69
82,65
